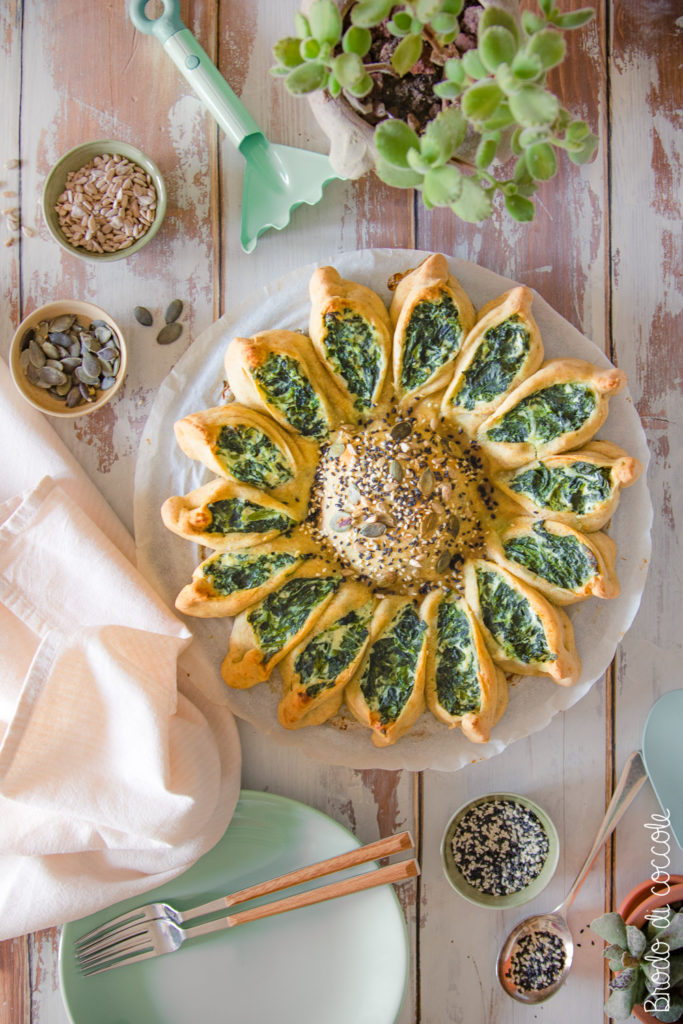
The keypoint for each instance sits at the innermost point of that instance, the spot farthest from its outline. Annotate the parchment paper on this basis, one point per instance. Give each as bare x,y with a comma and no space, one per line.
168,561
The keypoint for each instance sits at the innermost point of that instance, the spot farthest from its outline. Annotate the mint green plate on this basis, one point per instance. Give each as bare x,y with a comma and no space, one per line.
663,756
338,962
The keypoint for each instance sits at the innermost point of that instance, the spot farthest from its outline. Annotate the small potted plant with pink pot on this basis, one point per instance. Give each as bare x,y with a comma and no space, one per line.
448,97
645,952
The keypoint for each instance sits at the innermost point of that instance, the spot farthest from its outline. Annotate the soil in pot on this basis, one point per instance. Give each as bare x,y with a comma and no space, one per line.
411,98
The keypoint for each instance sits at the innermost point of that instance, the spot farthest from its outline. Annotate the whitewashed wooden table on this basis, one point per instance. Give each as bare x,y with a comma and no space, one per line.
605,251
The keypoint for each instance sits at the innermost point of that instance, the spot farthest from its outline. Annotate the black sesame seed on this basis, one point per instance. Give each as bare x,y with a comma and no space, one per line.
499,847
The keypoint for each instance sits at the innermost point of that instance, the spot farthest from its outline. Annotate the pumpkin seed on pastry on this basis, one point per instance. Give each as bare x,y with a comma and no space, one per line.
503,348
246,445
264,633
351,331
559,407
316,671
580,488
432,315
523,631
229,581
279,373
226,516
387,690
557,560
463,686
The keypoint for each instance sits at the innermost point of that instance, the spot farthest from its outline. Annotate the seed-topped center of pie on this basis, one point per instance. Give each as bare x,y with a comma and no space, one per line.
403,503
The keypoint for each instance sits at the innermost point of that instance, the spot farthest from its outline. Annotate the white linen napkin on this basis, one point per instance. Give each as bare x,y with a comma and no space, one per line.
116,773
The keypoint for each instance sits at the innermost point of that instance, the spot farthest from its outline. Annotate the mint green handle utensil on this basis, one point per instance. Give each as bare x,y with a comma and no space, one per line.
277,178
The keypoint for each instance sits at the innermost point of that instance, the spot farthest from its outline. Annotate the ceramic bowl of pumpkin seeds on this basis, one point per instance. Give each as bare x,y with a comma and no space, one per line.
68,358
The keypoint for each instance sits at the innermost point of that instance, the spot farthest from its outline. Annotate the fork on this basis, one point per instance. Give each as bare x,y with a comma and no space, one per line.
155,929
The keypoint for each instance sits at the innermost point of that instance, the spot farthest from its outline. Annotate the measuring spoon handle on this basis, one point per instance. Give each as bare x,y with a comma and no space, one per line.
631,779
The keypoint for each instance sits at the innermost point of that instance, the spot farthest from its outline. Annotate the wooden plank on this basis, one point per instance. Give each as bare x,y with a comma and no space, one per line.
647,155
15,994
136,95
561,255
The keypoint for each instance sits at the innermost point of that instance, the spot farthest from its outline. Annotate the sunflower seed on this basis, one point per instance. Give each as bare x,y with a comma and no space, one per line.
173,311
336,449
373,529
396,470
401,430
443,561
426,483
446,492
143,316
169,333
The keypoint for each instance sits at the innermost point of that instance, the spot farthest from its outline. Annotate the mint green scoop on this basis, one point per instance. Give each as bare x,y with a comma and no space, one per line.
277,179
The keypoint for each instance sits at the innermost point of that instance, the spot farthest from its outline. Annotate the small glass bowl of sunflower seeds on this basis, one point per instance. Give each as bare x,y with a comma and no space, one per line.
68,358
500,850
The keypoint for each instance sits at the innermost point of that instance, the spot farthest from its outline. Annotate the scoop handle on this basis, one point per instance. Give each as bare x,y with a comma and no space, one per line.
197,68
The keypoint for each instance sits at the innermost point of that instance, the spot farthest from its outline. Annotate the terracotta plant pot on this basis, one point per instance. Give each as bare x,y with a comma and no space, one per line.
640,902
351,138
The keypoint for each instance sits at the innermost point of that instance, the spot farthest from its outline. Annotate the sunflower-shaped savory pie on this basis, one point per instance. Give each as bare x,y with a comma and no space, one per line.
404,502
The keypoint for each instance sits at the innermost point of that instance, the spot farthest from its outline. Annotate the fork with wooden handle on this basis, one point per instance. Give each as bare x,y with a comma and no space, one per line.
155,929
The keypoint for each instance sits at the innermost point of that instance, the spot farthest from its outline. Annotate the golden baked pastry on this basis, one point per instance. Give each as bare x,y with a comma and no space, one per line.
463,686
523,631
453,486
387,691
280,373
432,315
557,560
226,516
229,581
503,348
264,633
559,407
247,446
580,488
316,671
351,331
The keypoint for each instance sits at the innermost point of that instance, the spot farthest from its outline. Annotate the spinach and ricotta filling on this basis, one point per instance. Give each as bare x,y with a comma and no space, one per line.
230,571
511,620
329,653
578,487
389,674
282,614
561,560
251,456
432,337
351,347
499,358
457,665
238,515
546,414
289,390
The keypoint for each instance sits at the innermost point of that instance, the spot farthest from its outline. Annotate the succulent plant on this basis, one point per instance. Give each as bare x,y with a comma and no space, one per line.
648,964
495,93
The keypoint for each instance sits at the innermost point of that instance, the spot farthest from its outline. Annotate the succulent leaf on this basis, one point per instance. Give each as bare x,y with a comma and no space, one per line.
393,139
496,16
357,40
348,69
326,22
397,177
481,100
443,185
533,106
497,45
611,928
549,46
575,19
541,161
286,52
368,13
531,22
406,54
520,208
474,203
473,65
307,78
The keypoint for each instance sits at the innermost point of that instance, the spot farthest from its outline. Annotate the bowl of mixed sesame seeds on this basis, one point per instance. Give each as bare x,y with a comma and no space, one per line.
104,200
500,850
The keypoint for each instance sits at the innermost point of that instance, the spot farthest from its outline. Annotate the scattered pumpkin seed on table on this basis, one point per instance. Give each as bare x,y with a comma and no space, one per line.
143,316
169,333
173,311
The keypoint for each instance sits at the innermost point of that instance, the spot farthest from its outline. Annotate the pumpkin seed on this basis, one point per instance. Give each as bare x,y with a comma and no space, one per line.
336,449
426,483
443,561
340,522
401,430
62,323
91,365
62,390
143,316
50,375
429,525
373,529
107,382
73,397
453,525
103,333
353,494
169,333
173,311
396,470
36,354
50,350
55,363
